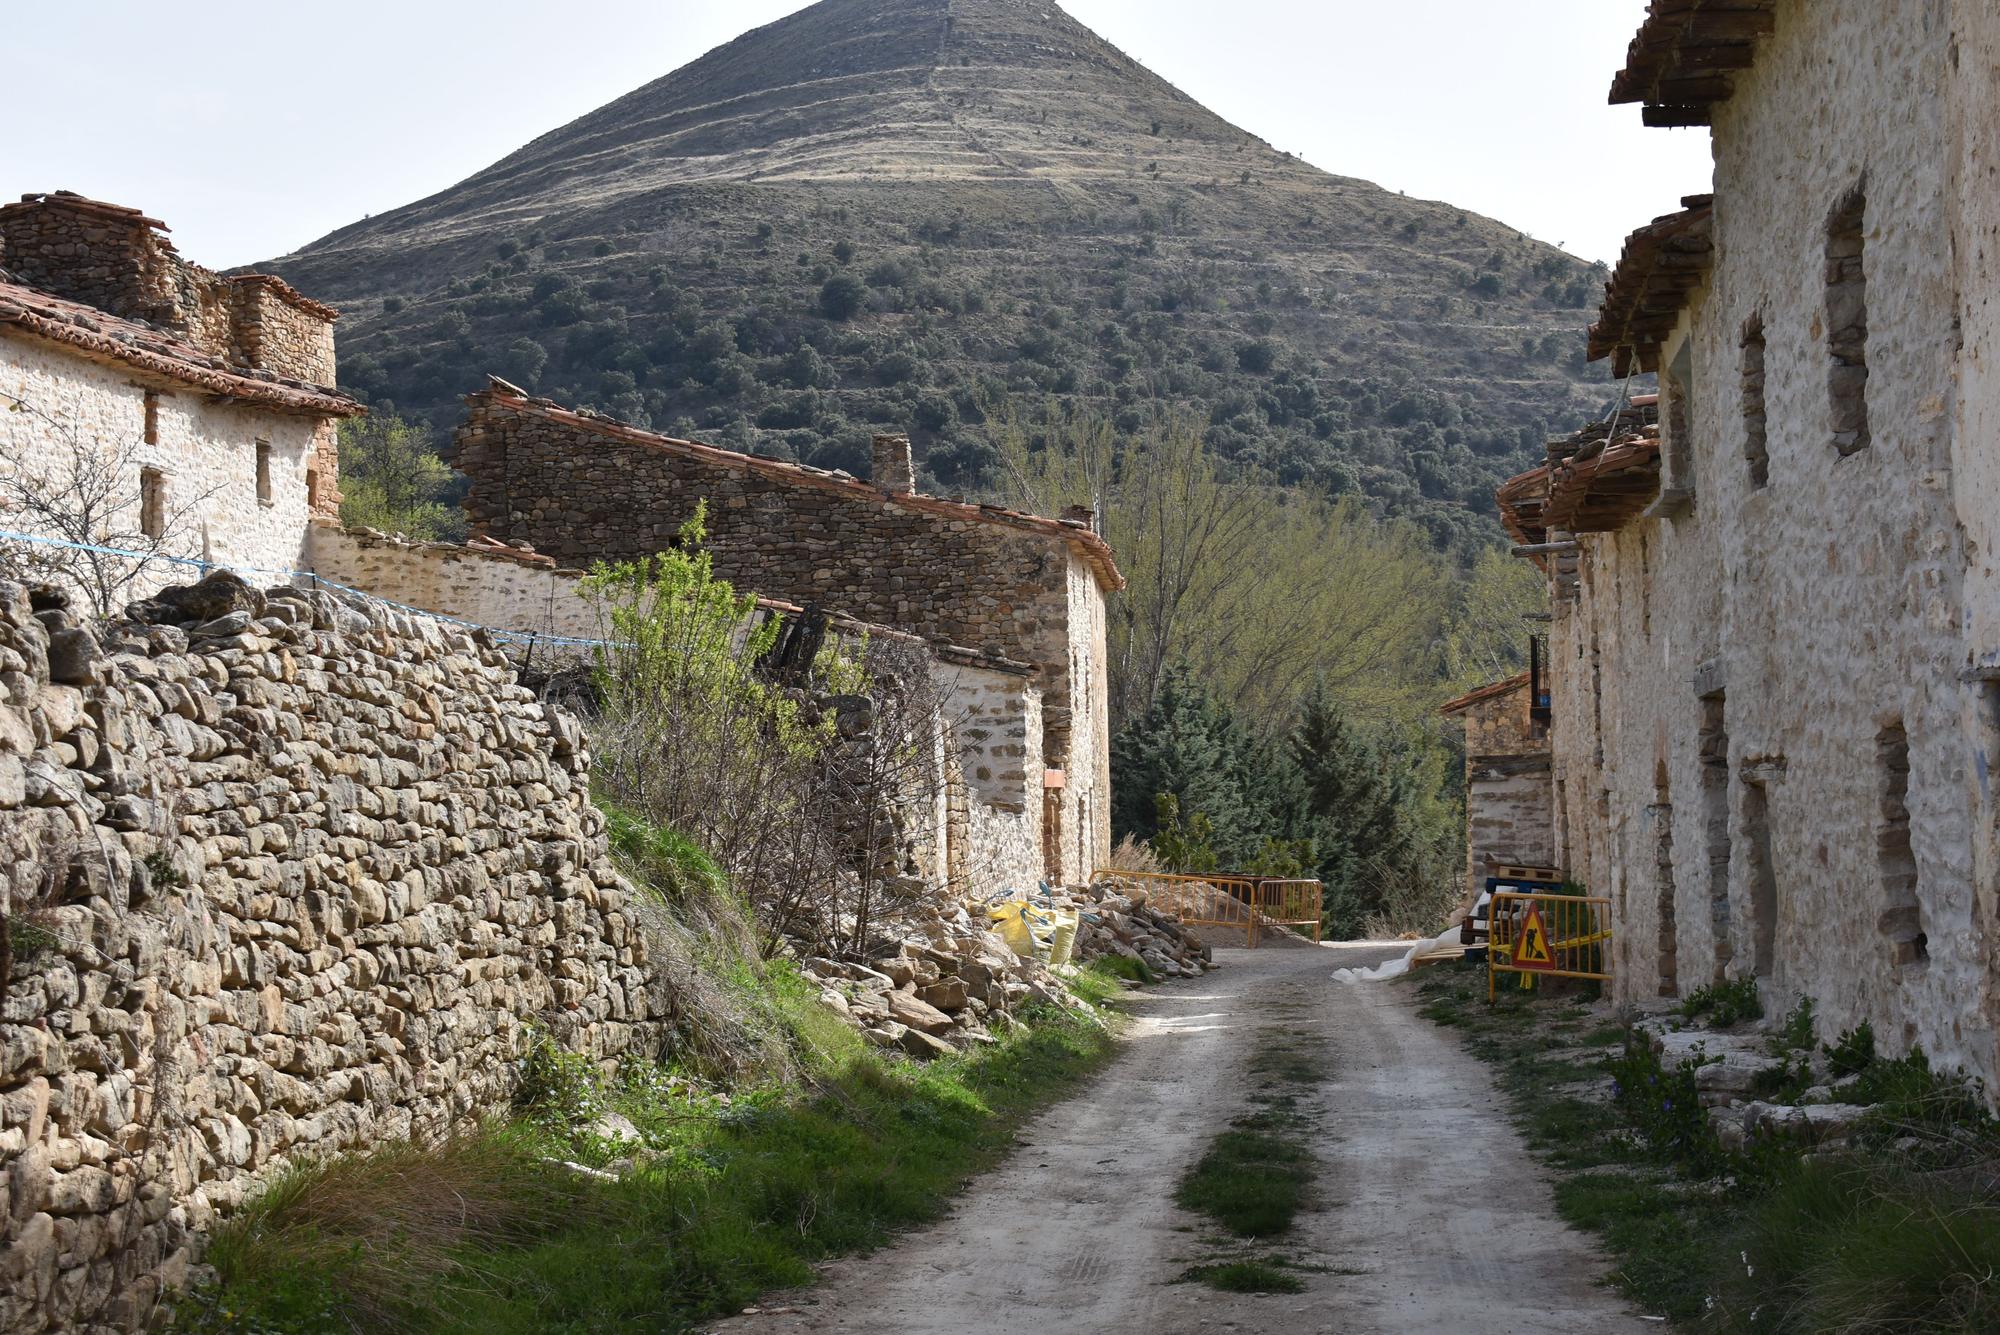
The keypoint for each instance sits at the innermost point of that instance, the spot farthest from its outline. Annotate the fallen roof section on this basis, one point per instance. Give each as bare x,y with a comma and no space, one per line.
1663,263
1080,537
1684,62
132,345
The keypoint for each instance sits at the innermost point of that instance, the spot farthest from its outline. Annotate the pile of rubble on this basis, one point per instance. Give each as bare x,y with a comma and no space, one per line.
1115,918
1731,1068
947,979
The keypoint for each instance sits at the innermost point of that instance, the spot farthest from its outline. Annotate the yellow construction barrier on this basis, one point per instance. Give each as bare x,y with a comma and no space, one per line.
1549,936
1248,904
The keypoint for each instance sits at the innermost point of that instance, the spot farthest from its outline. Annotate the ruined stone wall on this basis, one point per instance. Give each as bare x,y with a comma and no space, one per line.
578,491
113,258
1760,712
273,328
205,451
997,718
484,587
284,878
579,494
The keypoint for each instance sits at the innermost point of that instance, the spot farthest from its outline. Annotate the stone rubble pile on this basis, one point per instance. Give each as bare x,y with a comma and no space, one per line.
1732,1066
948,979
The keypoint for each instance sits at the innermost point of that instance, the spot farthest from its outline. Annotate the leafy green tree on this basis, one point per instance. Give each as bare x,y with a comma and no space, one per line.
392,479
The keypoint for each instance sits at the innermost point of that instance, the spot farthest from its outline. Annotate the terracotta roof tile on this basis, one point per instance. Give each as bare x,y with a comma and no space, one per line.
97,336
1664,262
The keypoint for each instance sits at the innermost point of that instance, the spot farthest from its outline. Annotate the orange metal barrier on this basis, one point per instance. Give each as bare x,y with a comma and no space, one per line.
1554,936
1249,904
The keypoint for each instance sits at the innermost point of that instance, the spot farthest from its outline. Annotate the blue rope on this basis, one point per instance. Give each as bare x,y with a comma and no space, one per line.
527,637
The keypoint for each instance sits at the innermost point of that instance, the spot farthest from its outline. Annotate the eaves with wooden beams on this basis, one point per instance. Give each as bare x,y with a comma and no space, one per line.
1663,263
1684,62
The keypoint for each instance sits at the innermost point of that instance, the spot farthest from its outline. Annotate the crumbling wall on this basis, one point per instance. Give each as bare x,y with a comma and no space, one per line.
284,877
579,488
120,261
1724,676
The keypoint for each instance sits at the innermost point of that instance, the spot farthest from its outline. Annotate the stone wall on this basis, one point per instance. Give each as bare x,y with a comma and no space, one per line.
284,877
509,591
1508,796
579,488
204,450
121,262
997,720
1766,749
992,714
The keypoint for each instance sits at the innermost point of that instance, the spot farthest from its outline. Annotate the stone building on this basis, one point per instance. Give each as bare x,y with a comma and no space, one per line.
1508,820
1015,602
1776,637
196,405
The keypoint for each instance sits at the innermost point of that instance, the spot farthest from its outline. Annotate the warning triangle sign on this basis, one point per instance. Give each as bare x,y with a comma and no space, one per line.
1531,947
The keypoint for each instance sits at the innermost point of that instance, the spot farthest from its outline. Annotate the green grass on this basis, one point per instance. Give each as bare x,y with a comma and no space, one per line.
729,1201
1126,967
1252,1182
1244,1277
1256,1176
1771,1239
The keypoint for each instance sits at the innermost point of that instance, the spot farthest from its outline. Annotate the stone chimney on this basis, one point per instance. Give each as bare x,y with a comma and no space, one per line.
1079,514
893,471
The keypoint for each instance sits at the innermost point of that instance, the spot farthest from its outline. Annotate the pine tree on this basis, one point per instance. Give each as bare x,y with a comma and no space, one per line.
1351,795
1189,747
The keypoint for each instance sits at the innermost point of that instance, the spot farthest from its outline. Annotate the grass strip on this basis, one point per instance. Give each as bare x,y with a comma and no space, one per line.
485,1235
1900,1233
1244,1277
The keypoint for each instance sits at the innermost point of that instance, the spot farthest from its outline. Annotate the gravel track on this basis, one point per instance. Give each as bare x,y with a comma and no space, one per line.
1431,1215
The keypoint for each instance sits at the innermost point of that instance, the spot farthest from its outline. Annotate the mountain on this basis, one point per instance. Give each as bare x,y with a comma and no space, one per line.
896,213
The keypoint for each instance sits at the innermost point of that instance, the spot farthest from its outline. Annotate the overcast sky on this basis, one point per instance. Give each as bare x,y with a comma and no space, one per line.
253,128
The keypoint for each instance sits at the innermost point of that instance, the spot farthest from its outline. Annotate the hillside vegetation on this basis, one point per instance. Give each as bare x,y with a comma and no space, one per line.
901,213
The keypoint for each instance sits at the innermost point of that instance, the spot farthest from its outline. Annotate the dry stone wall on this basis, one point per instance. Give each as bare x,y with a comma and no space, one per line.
284,877
580,488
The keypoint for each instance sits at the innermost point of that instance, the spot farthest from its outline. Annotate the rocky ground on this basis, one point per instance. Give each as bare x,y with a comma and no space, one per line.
950,976
1429,1213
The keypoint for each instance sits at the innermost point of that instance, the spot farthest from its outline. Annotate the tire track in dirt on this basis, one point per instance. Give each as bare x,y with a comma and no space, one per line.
1430,1214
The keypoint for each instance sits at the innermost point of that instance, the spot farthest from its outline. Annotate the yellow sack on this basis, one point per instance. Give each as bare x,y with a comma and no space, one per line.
1026,930
1062,941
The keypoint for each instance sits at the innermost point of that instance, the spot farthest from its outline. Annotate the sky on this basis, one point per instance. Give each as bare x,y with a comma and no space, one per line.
253,128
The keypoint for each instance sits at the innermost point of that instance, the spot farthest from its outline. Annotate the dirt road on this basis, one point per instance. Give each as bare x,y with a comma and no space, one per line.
1430,1215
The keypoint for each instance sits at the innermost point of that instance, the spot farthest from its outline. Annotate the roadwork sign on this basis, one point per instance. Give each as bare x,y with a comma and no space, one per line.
1531,946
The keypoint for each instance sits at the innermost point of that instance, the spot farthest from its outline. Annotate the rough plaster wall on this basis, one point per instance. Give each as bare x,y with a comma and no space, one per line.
1975,197
208,452
1087,814
1831,600
997,717
384,864
455,581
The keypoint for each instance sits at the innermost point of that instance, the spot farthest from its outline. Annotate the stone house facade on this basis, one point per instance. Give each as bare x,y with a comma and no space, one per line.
1507,812
202,400
1015,603
1776,637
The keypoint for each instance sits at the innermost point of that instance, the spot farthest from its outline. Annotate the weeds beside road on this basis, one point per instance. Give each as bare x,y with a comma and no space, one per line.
726,1199
1900,1231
